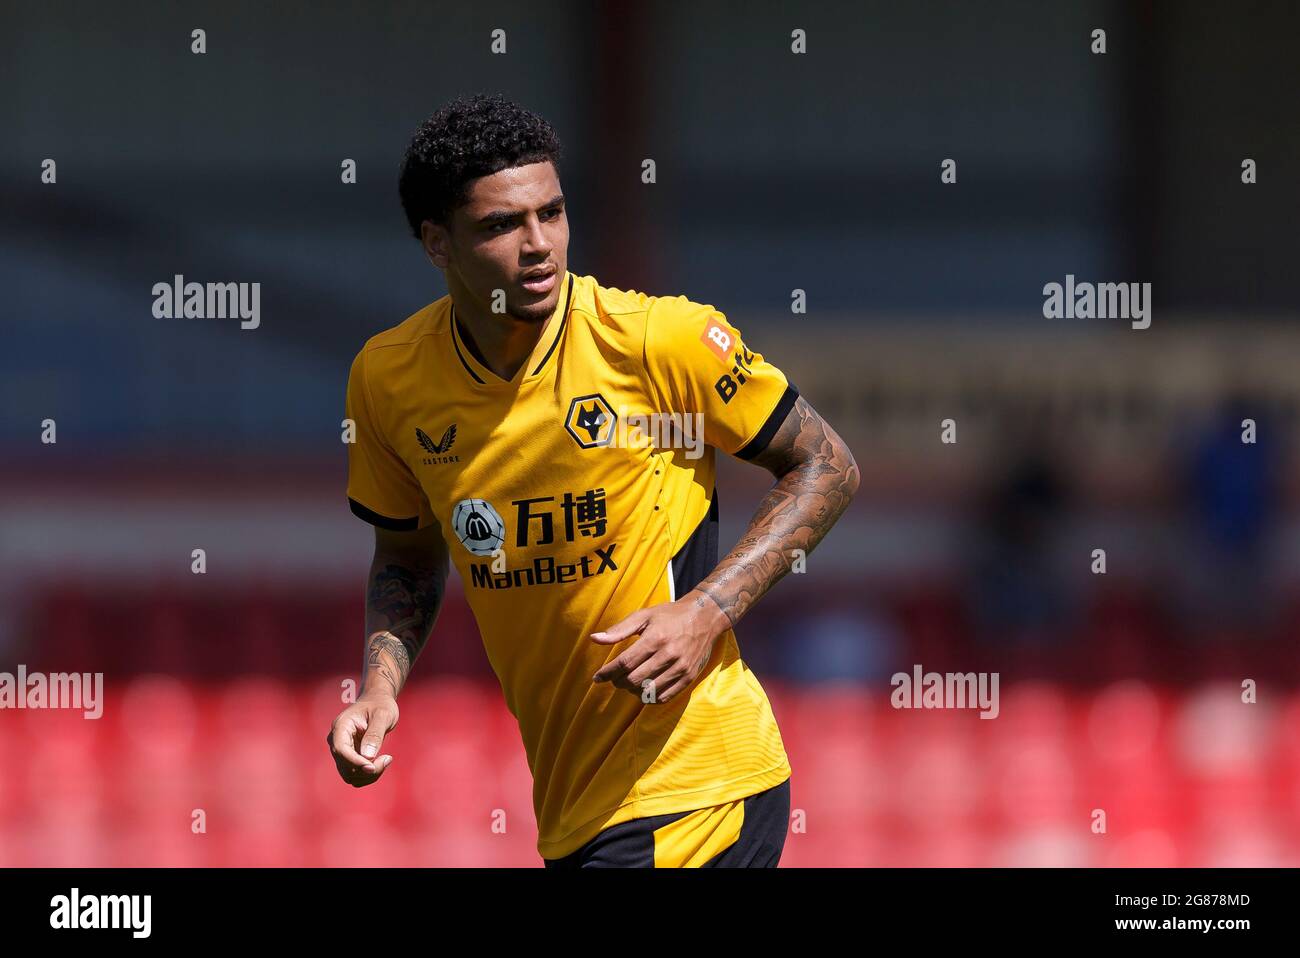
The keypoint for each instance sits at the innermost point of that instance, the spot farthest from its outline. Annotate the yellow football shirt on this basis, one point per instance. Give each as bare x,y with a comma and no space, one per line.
570,497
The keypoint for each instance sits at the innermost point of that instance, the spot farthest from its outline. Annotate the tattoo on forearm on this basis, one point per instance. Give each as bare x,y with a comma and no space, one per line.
402,603
388,661
817,478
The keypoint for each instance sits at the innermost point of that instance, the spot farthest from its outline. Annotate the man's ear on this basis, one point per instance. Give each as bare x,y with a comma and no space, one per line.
436,243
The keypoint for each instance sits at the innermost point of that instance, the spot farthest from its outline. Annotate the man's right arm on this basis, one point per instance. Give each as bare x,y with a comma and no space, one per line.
403,595
404,592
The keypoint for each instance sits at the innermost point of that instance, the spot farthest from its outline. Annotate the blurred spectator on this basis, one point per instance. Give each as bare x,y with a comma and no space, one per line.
1230,504
1018,593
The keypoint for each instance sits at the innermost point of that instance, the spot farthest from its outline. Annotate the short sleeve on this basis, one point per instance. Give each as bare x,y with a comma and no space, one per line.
381,487
698,362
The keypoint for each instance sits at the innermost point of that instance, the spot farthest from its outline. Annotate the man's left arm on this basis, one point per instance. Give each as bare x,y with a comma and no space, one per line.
816,479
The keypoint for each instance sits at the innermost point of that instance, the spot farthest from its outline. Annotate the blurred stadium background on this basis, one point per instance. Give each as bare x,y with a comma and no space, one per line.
819,172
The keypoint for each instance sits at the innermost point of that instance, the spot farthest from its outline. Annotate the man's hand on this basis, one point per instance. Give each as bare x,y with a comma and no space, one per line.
674,644
358,734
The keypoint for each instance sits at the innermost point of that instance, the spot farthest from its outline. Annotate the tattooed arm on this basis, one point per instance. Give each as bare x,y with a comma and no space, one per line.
816,479
403,594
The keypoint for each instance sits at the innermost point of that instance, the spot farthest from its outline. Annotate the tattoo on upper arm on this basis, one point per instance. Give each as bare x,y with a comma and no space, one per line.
803,438
816,479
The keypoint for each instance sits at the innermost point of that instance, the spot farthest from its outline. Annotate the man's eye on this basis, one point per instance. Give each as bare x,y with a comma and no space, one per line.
497,227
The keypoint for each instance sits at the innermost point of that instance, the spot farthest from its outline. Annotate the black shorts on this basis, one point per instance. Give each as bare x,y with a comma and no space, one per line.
747,833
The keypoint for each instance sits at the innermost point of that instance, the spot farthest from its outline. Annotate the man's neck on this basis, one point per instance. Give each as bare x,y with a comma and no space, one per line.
497,340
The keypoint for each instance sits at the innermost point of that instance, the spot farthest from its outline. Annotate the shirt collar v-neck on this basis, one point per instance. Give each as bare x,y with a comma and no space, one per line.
537,360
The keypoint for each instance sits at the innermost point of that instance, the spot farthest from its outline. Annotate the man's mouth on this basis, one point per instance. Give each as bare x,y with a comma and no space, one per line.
541,282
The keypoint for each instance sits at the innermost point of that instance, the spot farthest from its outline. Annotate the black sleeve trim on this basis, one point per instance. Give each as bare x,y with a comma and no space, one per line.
764,435
384,522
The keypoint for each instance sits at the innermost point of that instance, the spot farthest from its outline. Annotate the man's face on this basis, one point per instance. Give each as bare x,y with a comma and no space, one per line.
513,224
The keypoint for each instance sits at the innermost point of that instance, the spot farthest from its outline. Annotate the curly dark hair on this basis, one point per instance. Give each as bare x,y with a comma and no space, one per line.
466,139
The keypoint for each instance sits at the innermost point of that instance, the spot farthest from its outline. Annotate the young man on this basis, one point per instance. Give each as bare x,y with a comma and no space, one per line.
507,427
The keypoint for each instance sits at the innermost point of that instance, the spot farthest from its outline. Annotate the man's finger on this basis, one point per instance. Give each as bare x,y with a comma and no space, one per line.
359,777
342,742
671,690
651,668
633,624
374,738
626,661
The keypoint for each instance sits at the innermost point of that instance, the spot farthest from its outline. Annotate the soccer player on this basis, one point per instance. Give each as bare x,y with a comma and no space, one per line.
555,438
